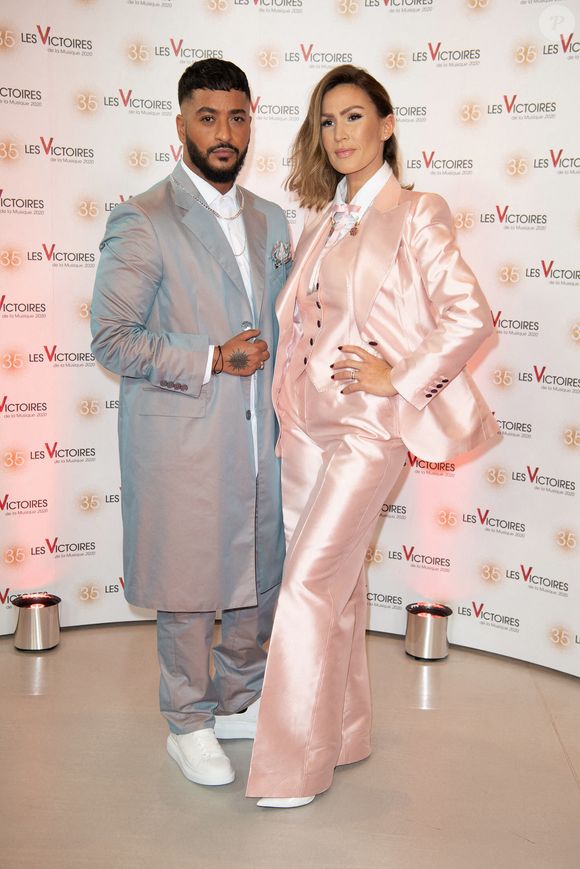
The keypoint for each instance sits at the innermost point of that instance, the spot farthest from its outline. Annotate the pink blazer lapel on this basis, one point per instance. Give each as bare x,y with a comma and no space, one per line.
309,237
379,240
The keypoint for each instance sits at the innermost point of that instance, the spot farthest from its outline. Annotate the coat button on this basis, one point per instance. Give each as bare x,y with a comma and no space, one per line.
318,323
428,395
305,359
311,341
444,380
318,305
248,414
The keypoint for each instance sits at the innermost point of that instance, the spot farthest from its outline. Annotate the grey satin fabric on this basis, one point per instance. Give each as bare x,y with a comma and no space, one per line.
189,696
198,534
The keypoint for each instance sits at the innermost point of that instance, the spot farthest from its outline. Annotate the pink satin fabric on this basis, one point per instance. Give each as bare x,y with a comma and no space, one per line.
402,283
340,458
418,299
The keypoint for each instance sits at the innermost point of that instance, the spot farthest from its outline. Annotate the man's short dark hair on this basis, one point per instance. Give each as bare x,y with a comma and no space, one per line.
212,74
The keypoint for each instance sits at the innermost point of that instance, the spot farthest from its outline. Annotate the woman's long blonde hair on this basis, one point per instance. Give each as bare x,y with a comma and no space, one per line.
312,177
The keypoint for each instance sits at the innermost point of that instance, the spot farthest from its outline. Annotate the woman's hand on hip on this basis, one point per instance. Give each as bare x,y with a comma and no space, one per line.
368,373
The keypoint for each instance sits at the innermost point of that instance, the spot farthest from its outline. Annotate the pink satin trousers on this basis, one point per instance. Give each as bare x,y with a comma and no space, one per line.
315,710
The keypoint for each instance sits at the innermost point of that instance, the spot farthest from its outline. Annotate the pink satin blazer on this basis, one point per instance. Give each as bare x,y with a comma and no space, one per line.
415,296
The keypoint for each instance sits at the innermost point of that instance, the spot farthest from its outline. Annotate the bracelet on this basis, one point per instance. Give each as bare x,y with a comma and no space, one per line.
218,366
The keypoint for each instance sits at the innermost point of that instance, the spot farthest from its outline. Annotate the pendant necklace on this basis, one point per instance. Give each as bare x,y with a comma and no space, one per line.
220,216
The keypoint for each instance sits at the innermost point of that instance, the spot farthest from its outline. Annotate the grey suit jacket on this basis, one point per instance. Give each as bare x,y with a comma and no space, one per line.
199,534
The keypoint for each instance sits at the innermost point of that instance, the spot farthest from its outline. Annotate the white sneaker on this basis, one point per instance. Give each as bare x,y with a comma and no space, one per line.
242,725
200,757
284,802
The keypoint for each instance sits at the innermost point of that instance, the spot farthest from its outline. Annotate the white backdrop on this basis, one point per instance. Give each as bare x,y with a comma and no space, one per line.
486,104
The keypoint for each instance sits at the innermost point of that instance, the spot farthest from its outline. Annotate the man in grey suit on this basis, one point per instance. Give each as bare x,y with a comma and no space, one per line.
183,310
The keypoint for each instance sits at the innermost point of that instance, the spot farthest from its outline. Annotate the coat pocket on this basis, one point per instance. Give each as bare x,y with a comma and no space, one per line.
154,401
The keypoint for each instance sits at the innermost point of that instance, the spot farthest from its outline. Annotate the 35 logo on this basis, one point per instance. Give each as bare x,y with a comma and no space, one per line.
526,54
138,52
509,274
470,113
464,220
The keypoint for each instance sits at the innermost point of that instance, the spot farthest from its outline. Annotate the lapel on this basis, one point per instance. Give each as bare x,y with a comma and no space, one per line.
310,236
255,226
204,226
378,243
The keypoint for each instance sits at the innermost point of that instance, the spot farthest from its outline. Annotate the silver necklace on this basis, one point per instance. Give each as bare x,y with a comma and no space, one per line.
209,208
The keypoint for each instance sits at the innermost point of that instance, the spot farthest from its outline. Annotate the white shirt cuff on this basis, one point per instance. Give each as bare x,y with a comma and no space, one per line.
207,375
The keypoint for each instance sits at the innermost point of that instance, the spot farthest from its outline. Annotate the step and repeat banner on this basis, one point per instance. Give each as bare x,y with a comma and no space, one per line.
486,102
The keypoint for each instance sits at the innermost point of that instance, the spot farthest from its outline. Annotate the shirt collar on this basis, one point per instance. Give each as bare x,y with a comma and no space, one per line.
368,192
207,190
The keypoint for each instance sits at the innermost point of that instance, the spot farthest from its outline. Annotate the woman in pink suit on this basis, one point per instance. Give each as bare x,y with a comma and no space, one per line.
377,322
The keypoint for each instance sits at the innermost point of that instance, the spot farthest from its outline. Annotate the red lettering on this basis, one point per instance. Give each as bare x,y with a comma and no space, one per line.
556,160
45,146
254,104
495,317
2,300
566,44
477,609
532,476
408,553
539,374
526,573
4,597
547,269
412,459
3,405
43,36
482,516
4,502
501,214
49,253
428,160
176,152
51,546
306,54
509,104
436,52
50,353
122,581
51,451
126,98
176,48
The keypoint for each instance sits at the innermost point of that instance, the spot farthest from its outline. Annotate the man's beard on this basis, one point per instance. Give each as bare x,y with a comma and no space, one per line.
209,172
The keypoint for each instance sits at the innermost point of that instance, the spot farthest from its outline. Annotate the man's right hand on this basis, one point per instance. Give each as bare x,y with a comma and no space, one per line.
242,355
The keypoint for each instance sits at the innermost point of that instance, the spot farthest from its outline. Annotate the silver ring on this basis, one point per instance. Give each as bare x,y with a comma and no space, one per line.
261,364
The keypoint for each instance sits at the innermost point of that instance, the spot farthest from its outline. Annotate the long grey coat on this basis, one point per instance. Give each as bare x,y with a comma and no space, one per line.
198,534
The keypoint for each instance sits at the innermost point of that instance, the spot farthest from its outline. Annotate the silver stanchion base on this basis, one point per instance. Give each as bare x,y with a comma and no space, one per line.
426,635
38,626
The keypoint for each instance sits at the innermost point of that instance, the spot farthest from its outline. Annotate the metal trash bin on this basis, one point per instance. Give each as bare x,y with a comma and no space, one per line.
426,635
38,625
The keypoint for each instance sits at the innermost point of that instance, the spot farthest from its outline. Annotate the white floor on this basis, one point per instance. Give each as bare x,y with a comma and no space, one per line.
476,763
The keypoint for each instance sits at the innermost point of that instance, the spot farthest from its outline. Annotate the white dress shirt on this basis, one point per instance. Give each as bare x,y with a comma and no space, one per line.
364,198
235,233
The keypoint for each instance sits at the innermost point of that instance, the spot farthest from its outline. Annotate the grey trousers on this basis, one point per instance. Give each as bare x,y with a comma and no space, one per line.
189,695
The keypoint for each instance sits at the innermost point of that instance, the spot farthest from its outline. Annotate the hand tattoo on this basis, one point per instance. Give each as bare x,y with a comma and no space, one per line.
239,360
